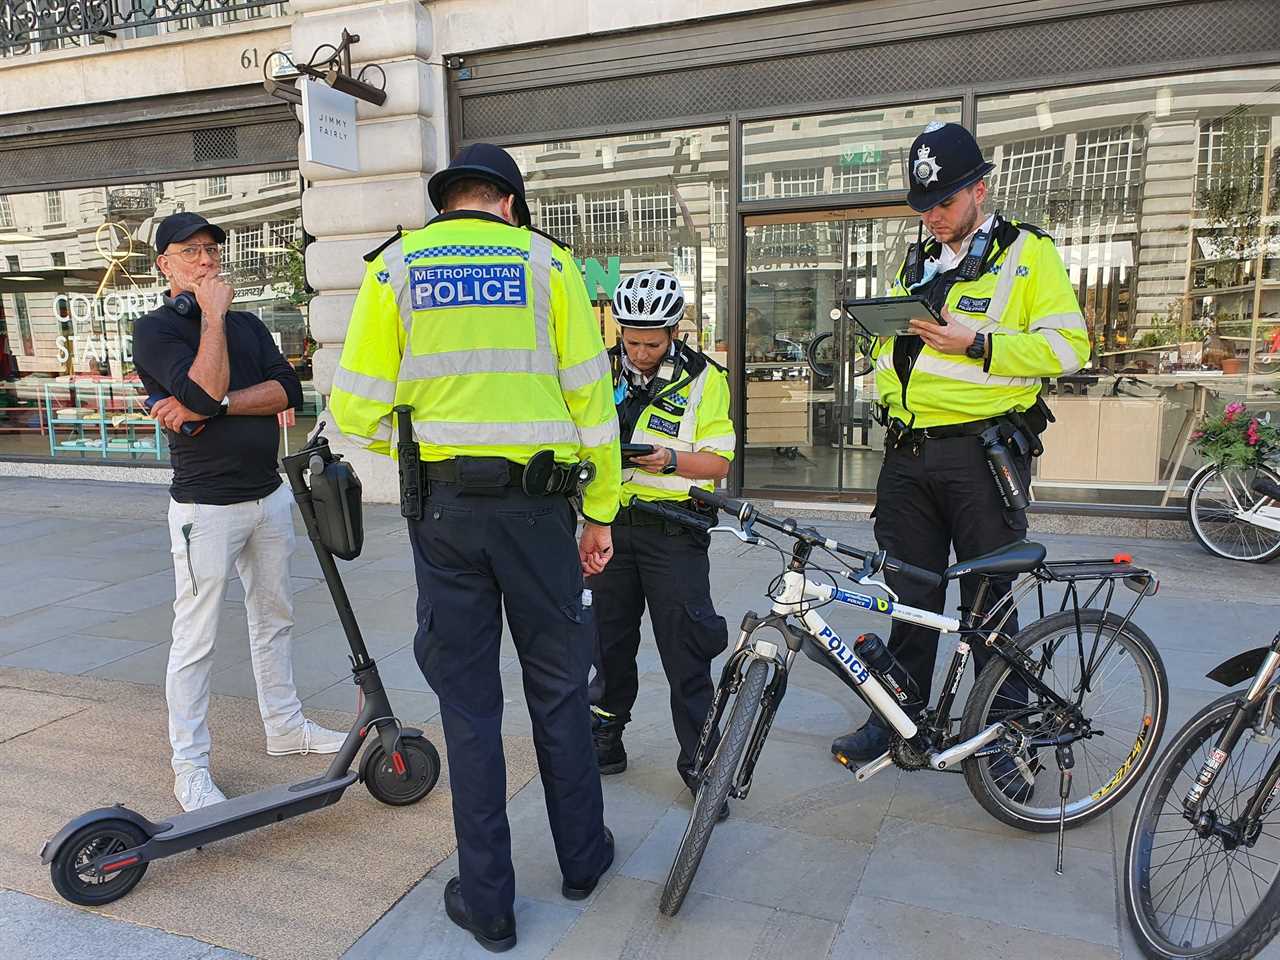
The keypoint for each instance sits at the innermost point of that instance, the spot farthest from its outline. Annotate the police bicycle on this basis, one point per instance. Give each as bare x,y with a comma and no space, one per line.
1202,866
1083,687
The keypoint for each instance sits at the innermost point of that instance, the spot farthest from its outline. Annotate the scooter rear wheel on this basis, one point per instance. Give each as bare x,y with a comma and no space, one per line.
69,872
378,772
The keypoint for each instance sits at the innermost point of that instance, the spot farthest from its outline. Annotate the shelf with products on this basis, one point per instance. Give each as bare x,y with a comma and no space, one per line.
102,417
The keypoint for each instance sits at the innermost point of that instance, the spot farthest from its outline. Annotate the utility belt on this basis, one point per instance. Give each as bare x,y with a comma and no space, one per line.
542,476
1012,434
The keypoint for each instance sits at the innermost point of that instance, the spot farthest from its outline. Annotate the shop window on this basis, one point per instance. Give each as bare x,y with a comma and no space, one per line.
848,153
1160,196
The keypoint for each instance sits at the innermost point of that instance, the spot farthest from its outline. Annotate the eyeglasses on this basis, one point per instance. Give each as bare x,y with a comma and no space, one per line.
191,252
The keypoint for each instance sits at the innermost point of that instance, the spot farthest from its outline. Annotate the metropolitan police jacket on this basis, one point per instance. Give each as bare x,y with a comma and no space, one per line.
688,413
1024,302
486,330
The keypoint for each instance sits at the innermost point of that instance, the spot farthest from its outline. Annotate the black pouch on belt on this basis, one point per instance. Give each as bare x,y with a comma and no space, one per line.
483,476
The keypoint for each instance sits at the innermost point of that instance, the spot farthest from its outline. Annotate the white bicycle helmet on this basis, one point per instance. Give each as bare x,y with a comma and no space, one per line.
649,300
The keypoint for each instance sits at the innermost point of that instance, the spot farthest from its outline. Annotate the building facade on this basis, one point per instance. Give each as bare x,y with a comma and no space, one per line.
757,149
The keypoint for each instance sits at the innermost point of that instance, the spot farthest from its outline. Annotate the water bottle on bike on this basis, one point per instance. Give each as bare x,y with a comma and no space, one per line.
873,652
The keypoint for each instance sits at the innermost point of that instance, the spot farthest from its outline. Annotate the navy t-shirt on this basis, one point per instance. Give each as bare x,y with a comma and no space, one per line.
233,459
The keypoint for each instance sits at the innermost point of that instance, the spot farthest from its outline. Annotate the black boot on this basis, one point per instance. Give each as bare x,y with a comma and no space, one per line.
606,732
584,891
863,745
495,936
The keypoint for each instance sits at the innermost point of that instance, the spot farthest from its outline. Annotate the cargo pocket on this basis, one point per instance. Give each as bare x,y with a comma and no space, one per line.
709,631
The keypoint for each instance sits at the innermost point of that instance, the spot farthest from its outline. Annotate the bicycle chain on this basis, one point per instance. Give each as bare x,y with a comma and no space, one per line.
904,755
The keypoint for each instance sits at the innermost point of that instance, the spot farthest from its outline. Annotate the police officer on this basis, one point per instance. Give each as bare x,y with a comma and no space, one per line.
672,398
1011,318
484,328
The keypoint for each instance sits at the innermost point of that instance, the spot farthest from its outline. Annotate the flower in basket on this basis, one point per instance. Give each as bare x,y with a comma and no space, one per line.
1235,439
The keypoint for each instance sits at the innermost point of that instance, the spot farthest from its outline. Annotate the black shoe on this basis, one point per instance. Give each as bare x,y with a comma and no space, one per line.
692,784
863,745
581,893
1009,780
606,733
496,936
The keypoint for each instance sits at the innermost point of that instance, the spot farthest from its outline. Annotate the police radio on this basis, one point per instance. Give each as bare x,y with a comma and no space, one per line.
971,266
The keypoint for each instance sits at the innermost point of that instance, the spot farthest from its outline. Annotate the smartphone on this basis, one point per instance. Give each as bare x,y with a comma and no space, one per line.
630,450
190,429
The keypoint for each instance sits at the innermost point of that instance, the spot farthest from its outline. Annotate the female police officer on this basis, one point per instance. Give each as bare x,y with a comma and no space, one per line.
674,399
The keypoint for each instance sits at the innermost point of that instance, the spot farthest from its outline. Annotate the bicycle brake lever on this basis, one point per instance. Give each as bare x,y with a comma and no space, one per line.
740,534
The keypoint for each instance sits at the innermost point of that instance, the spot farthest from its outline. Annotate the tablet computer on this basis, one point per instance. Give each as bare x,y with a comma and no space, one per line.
890,316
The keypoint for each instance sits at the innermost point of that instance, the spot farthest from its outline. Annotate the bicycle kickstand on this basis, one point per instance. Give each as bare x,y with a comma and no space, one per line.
1066,760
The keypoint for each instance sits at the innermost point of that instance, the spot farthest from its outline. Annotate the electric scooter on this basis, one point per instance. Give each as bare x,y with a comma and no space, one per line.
101,855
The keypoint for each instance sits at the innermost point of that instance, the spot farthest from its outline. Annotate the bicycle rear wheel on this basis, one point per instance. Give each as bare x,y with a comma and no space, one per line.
1189,897
1212,503
714,790
1126,704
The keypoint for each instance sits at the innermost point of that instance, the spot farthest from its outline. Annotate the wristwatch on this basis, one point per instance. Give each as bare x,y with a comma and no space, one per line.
670,467
978,349
223,407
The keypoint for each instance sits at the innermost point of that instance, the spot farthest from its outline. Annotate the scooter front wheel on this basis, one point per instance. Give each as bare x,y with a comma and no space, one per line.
70,871
421,763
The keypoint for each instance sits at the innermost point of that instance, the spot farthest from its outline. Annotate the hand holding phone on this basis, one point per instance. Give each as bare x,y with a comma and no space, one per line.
630,450
191,428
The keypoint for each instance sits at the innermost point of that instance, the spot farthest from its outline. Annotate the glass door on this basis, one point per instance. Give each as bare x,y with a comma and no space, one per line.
808,423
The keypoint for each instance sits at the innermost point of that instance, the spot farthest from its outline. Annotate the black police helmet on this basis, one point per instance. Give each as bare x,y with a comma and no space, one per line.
943,160
482,161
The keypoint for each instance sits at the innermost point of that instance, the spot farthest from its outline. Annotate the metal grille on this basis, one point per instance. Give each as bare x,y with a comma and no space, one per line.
141,157
1185,33
216,144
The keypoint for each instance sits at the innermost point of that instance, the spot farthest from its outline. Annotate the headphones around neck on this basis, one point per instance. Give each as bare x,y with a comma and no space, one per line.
184,305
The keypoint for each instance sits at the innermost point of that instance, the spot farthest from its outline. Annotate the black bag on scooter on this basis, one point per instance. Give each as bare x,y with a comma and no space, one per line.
336,492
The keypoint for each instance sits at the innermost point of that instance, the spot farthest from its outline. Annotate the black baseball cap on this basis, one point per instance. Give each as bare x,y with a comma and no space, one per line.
178,226
944,159
482,161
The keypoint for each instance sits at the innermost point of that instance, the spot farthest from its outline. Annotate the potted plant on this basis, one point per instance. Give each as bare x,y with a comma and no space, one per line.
1236,439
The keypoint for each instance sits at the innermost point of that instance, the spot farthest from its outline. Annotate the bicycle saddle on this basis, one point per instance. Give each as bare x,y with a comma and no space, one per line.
1019,557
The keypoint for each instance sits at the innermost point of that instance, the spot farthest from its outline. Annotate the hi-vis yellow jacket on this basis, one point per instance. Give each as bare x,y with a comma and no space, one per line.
1025,303
689,415
486,330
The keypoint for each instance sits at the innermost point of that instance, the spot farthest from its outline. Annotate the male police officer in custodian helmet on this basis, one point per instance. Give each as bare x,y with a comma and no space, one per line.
676,401
484,329
952,390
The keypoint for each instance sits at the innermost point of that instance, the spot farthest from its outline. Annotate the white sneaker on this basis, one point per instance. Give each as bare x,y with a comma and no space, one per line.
195,789
308,738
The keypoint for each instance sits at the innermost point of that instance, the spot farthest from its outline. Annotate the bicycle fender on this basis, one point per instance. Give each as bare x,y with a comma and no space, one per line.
1195,477
119,812
1239,668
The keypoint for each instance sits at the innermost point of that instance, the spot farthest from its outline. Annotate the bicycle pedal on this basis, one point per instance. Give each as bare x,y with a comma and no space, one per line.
844,761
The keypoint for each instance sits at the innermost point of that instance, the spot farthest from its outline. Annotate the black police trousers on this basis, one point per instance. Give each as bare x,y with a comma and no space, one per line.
473,553
665,566
926,502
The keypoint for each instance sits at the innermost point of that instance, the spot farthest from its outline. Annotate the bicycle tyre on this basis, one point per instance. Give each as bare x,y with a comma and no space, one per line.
1200,513
714,790
1260,926
1130,770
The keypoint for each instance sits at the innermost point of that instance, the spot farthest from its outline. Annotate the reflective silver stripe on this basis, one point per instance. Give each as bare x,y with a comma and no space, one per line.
968,372
527,433
455,363
363,385
885,360
982,325
728,442
398,278
1062,350
584,374
540,268
1008,273
1060,321
659,482
598,436
689,422
381,432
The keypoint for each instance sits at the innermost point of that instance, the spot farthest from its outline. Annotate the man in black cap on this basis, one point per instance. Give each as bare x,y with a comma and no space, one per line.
217,382
1010,318
484,328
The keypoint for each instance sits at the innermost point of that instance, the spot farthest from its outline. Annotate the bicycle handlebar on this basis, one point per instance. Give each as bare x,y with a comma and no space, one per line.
672,513
747,514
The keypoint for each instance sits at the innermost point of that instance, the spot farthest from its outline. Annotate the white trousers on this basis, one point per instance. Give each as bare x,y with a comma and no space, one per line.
256,539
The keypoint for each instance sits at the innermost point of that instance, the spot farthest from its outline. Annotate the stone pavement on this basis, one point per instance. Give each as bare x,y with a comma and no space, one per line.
812,864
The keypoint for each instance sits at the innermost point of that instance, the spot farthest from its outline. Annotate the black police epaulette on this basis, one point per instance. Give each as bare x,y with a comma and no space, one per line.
372,255
1034,230
556,240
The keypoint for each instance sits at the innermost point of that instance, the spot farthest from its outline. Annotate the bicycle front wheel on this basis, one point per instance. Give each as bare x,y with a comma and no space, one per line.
1189,896
1124,705
1212,503
714,790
